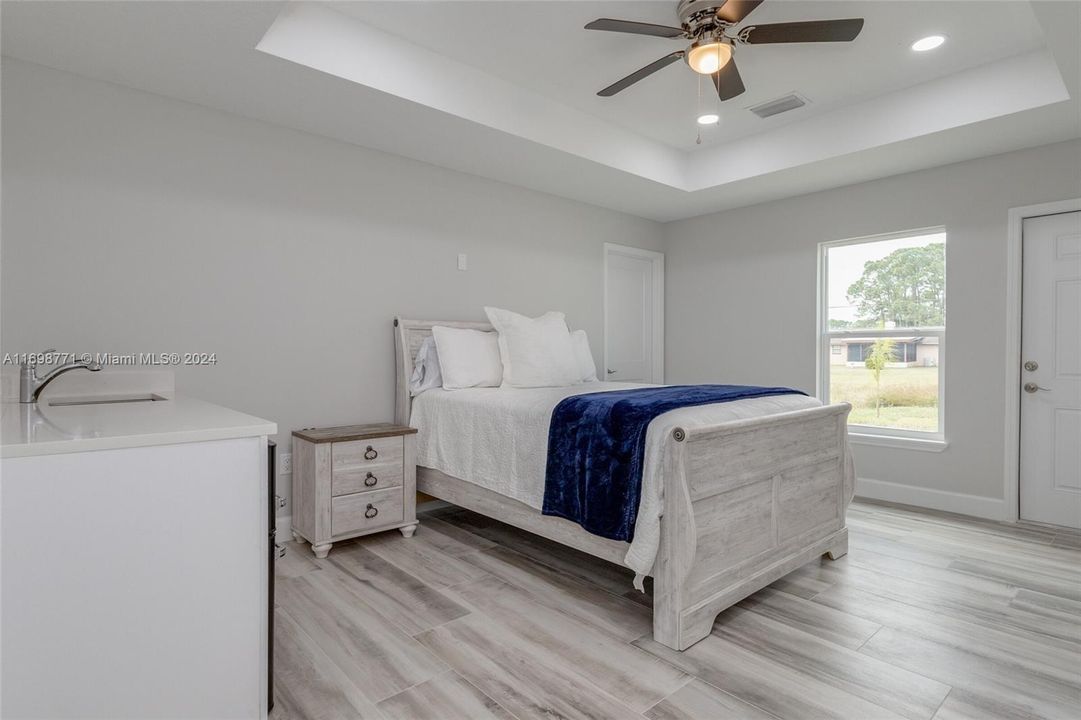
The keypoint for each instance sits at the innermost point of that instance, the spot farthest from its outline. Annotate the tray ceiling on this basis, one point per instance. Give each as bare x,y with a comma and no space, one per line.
506,90
542,46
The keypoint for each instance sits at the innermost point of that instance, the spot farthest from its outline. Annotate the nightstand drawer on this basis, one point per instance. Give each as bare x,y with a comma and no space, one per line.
376,477
366,511
365,453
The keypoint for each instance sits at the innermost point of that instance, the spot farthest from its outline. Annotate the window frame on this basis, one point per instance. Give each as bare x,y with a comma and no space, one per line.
869,434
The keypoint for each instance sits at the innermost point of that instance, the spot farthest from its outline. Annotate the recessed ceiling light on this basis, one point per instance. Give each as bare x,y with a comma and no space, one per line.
928,43
708,119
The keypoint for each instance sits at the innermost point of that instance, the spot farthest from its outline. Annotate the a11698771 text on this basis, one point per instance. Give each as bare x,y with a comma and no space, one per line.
55,357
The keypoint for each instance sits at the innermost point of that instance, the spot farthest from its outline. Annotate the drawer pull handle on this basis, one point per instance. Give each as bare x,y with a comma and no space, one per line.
371,453
370,481
371,511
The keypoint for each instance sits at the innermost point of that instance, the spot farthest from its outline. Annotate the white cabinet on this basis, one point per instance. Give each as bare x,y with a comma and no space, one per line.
134,582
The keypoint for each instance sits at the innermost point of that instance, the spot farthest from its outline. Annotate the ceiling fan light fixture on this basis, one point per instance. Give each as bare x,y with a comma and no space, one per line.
708,56
928,43
709,119
711,25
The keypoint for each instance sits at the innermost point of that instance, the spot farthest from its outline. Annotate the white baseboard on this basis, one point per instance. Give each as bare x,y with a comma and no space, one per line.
283,529
975,505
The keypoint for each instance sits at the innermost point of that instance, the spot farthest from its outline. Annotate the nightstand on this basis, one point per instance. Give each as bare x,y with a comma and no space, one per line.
353,480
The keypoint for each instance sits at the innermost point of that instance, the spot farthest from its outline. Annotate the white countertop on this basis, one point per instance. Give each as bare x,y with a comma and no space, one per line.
44,429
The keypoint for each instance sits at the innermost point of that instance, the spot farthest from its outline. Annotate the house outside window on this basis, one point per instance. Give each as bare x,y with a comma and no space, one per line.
905,352
882,332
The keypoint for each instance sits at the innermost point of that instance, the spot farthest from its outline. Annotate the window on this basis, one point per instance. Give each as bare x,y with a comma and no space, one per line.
883,331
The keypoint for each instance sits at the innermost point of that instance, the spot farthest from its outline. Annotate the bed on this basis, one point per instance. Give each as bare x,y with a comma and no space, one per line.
734,496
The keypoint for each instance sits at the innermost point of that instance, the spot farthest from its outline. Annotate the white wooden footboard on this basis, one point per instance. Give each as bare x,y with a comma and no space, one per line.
744,504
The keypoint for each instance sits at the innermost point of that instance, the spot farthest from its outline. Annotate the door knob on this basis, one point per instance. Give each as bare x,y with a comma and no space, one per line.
611,372
1032,366
1033,387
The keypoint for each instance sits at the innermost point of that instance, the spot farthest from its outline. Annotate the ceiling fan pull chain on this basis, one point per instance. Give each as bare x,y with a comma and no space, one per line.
698,141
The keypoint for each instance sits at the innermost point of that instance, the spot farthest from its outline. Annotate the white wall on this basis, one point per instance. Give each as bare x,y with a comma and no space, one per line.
741,303
132,222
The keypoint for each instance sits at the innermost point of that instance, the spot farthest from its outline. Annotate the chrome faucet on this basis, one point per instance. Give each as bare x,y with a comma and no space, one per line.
30,385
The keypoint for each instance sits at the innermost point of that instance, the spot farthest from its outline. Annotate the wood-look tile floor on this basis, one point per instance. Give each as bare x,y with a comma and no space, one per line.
928,616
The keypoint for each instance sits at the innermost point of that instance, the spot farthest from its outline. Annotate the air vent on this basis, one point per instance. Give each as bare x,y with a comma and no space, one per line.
778,106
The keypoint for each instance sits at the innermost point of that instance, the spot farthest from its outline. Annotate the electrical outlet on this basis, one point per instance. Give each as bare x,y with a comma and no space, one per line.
463,261
285,463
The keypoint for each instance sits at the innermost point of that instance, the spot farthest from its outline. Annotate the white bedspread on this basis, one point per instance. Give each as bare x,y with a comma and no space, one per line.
498,438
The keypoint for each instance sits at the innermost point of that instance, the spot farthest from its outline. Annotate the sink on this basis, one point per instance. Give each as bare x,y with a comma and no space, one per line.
69,402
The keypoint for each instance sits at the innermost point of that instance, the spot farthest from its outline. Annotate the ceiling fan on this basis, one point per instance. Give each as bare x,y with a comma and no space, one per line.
709,25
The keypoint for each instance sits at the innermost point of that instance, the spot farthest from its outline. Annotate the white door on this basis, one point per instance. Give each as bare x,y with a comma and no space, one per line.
633,315
1051,370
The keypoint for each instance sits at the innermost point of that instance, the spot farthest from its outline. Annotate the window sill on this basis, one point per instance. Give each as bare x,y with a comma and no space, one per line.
900,443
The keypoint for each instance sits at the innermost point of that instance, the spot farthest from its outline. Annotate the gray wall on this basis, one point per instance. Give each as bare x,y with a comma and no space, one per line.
132,222
741,295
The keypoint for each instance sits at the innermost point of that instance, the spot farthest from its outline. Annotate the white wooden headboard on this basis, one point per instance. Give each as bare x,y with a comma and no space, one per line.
408,335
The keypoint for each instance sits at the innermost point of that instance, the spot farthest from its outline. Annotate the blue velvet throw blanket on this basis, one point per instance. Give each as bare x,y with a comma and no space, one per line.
597,447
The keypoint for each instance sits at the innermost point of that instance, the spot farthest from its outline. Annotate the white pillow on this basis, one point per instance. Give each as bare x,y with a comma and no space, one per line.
587,369
467,358
536,352
426,374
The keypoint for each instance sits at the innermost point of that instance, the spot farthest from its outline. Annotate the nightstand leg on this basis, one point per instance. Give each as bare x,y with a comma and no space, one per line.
298,538
321,551
408,530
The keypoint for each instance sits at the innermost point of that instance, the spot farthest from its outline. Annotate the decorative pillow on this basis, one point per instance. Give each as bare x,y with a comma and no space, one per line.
587,369
426,374
536,352
467,358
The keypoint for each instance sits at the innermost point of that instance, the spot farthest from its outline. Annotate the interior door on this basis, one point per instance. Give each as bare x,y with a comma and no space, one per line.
634,314
1050,479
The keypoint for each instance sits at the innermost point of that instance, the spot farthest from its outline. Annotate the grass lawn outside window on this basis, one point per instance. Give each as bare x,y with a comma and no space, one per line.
909,399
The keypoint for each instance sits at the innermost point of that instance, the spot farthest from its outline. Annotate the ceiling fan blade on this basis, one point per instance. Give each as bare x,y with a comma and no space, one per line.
641,73
635,28
735,10
728,82
811,31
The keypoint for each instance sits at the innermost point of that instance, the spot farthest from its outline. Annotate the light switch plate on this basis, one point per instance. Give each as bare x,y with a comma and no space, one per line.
463,261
